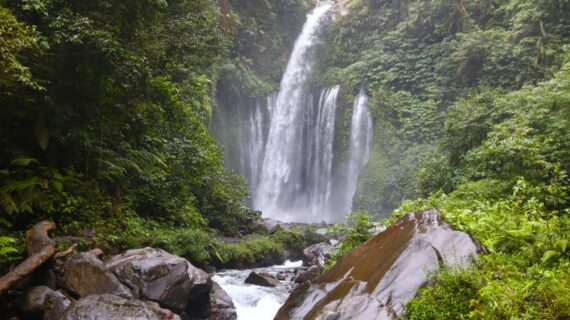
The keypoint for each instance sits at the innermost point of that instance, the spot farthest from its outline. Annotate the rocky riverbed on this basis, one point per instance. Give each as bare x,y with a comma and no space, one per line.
259,300
374,281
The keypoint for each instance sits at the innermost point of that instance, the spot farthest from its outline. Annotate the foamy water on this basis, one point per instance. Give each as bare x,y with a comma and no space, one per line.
256,302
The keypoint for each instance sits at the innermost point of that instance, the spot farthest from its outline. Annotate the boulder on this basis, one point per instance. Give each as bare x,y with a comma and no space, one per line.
43,300
261,280
55,306
322,231
221,305
309,274
282,275
317,254
268,226
163,314
156,275
85,275
377,279
109,307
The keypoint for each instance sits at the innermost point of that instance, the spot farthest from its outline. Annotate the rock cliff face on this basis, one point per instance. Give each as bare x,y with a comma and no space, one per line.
377,279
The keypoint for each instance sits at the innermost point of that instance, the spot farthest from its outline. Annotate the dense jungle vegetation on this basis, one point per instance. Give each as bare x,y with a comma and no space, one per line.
471,102
104,120
106,109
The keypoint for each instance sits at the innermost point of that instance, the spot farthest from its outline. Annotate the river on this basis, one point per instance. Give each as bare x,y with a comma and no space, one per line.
256,302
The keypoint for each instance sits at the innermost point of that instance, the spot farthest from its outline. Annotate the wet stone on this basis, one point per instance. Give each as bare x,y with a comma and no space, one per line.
377,279
261,280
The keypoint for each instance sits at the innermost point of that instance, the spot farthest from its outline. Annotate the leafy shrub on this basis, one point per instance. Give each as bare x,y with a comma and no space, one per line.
10,251
356,233
451,298
526,274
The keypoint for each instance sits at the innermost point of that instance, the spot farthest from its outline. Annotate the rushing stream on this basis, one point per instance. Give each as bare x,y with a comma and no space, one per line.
256,302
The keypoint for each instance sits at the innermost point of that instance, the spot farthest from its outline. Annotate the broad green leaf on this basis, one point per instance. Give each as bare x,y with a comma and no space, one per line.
548,255
562,245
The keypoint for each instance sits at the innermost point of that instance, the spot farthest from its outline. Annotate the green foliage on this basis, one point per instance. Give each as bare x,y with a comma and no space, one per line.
252,250
257,249
10,251
450,299
103,125
238,74
469,100
261,31
26,186
504,136
127,231
504,163
427,61
17,43
356,233
526,274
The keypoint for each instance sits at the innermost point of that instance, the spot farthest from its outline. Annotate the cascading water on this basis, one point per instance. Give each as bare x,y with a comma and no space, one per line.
253,140
320,156
287,144
255,302
360,140
282,188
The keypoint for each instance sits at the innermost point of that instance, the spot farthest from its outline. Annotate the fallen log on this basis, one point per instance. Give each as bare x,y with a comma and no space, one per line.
40,249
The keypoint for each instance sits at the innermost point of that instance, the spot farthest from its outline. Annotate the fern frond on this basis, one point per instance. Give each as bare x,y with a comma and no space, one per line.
23,161
9,204
19,185
8,249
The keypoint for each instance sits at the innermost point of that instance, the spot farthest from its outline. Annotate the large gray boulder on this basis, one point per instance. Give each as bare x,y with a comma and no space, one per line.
85,275
42,300
109,307
156,275
309,274
317,254
221,305
268,226
263,280
163,314
377,279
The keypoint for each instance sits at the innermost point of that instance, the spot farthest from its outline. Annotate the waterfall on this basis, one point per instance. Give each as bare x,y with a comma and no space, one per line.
281,191
253,139
287,143
359,149
321,156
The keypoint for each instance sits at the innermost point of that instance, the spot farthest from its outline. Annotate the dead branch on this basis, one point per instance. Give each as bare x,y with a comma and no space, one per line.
40,249
66,252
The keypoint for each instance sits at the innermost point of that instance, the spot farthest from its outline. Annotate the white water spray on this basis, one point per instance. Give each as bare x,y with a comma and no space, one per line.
287,145
282,179
361,131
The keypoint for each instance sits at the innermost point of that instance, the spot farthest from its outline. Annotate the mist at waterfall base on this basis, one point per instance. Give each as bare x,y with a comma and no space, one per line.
255,302
287,143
